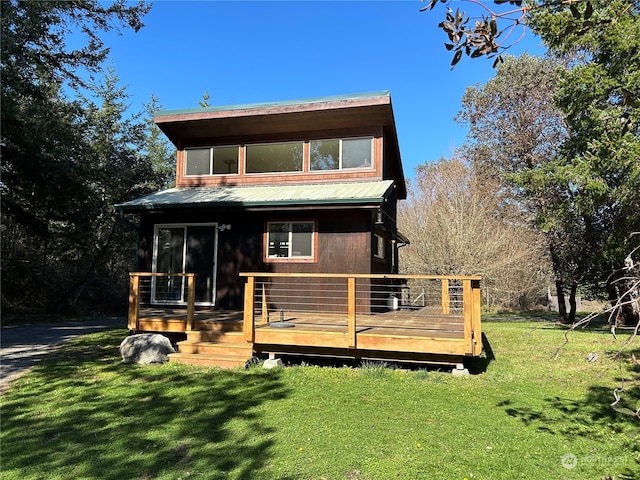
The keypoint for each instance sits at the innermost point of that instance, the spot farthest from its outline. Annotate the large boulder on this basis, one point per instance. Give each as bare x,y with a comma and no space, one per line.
146,348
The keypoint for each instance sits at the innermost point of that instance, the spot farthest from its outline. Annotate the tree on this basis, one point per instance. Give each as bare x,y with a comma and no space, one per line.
454,219
38,119
591,184
515,128
52,192
597,170
158,148
490,30
118,170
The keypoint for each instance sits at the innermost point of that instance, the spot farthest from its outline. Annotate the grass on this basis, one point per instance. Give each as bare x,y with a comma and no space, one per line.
83,414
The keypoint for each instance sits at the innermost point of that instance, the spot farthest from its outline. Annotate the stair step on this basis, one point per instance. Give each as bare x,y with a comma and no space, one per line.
232,350
215,336
200,359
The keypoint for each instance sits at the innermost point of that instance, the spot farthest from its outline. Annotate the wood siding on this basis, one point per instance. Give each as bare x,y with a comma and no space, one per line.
344,244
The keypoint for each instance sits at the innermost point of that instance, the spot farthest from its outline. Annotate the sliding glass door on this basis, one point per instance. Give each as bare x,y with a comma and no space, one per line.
184,249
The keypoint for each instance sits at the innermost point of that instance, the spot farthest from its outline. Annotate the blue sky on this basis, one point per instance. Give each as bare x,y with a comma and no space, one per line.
248,52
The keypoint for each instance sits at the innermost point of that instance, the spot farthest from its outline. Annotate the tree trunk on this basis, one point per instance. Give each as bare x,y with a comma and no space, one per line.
620,296
612,296
572,302
625,294
562,308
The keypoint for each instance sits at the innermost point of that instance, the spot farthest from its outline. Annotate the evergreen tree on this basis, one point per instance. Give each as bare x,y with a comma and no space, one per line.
55,184
597,171
160,151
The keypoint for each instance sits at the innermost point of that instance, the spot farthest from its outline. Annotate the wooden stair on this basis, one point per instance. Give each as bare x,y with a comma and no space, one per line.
221,344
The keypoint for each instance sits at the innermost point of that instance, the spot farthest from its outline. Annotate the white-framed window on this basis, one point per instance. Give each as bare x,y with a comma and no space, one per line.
378,246
340,154
291,240
274,157
184,248
219,160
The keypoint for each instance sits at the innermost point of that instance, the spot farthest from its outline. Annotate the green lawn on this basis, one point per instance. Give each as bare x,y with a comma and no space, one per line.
84,414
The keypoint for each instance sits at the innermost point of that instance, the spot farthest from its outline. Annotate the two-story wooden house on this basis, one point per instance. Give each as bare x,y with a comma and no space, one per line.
296,190
301,186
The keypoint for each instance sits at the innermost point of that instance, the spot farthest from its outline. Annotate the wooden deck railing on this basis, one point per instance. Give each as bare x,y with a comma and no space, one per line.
363,303
136,293
353,312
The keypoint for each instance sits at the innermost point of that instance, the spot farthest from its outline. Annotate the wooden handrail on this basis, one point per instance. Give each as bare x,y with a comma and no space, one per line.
154,274
398,276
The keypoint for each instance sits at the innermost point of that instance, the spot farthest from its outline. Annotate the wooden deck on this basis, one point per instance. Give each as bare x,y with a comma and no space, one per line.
432,333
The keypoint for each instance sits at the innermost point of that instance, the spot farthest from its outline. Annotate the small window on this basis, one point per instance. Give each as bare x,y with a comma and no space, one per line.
211,161
290,240
274,157
378,246
340,154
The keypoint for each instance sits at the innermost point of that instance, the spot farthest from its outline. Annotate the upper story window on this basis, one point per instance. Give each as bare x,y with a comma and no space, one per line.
211,161
274,157
280,157
340,154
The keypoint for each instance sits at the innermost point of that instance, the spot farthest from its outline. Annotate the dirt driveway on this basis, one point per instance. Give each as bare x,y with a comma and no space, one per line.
21,347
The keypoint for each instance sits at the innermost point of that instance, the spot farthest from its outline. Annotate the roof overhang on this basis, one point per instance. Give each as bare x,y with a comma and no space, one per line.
184,127
257,197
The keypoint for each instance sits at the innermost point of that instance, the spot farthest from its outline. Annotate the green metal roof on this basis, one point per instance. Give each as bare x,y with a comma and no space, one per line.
252,106
360,193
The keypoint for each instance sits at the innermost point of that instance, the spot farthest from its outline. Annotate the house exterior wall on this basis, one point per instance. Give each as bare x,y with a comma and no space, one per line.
344,244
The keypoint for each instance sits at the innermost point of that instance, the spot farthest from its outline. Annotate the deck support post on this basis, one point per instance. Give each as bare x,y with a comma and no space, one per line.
247,326
134,302
460,371
351,312
191,300
446,309
272,362
468,310
475,317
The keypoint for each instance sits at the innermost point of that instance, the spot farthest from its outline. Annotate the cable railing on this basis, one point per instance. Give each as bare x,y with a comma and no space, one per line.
374,295
360,303
425,313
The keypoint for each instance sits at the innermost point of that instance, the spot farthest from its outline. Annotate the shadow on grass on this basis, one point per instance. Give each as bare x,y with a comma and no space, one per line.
477,365
84,414
593,417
